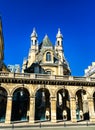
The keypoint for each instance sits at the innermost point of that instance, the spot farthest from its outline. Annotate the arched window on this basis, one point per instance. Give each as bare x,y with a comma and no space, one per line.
48,56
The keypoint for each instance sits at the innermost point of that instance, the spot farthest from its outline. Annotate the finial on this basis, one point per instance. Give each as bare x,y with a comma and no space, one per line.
59,34
34,34
59,30
34,30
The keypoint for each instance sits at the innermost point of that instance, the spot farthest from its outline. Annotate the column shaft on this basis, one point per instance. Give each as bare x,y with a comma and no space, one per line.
73,109
53,109
8,110
32,110
91,109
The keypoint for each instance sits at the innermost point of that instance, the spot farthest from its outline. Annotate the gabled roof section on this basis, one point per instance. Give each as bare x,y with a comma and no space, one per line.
46,42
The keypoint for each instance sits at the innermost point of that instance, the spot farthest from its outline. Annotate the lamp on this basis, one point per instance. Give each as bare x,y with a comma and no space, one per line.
63,92
82,93
22,92
43,94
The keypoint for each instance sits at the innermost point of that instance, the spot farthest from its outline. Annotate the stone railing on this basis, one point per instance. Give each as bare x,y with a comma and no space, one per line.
44,76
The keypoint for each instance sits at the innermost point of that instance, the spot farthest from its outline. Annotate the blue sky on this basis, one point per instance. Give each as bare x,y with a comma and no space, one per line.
75,18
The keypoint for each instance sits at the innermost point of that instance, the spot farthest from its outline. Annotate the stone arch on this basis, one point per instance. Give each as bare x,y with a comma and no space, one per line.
58,88
48,50
62,87
6,88
42,103
3,103
20,103
80,88
63,103
82,109
17,87
41,86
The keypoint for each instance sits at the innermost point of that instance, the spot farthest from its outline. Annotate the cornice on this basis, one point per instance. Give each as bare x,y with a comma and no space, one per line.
25,78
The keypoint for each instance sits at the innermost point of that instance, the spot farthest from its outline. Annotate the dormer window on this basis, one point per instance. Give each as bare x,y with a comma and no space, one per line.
48,56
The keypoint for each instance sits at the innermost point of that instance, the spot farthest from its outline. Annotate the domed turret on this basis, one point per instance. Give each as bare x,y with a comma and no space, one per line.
59,38
34,37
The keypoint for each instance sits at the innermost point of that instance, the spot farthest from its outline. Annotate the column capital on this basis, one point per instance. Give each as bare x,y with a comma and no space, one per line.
9,97
32,97
72,98
53,98
90,98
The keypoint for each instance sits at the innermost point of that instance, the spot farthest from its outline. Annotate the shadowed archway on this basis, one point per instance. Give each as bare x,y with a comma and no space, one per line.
42,105
20,104
82,111
94,101
3,104
63,105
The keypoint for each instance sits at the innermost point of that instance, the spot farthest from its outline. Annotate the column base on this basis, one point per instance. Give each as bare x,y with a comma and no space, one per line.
92,119
53,118
53,121
7,122
74,120
32,121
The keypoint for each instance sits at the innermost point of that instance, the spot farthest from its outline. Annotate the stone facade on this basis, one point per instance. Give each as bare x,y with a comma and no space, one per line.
45,90
90,71
14,68
34,97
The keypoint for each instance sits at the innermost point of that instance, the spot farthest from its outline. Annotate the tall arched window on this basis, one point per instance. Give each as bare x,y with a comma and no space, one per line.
48,56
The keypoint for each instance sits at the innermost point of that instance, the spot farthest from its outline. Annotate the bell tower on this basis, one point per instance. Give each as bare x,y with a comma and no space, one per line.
59,38
34,48
34,37
58,46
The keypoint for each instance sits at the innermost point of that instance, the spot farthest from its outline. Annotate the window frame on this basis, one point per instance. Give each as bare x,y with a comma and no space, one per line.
48,56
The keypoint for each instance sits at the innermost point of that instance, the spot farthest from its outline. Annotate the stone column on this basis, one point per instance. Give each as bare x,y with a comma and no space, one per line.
32,110
8,110
73,109
91,109
53,109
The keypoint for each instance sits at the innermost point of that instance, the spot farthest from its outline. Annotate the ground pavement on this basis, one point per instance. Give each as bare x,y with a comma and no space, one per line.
54,128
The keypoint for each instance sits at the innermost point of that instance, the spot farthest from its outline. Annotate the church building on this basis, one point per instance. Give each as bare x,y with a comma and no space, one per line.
45,90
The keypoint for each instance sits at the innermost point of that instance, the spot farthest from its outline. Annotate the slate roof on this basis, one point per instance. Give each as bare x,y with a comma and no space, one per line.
46,42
